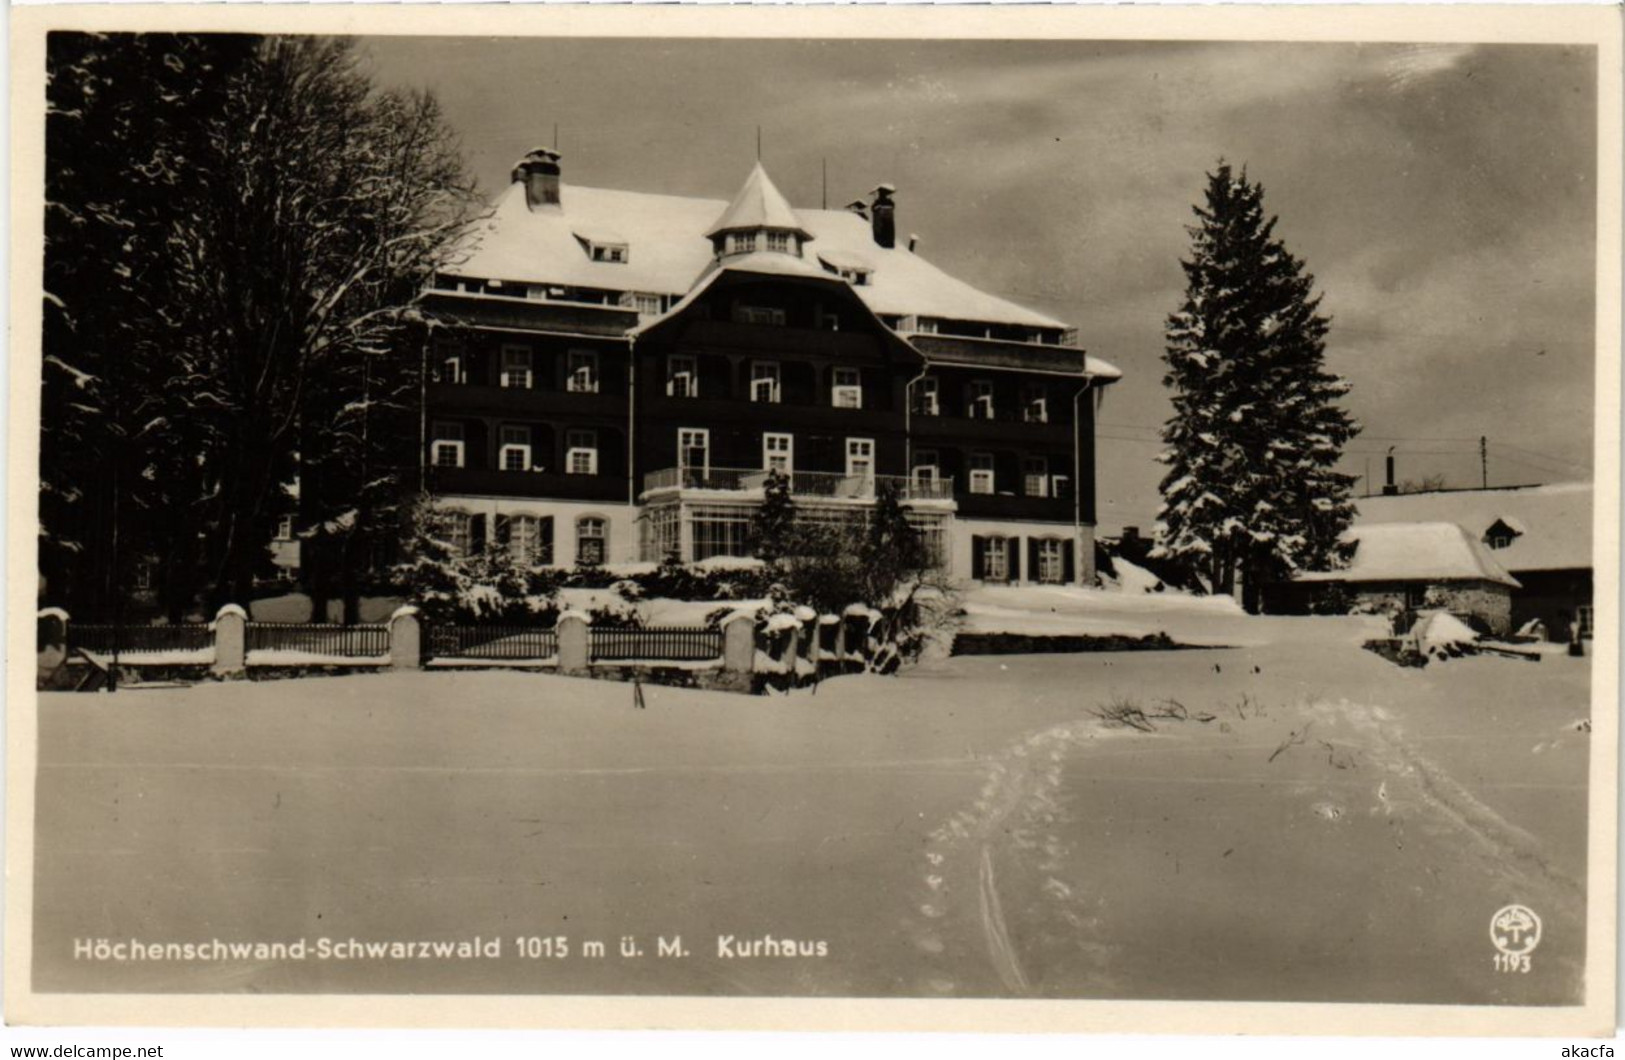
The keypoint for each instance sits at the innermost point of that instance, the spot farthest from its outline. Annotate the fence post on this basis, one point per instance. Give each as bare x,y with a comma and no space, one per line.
52,642
230,641
807,646
739,643
787,654
405,639
573,652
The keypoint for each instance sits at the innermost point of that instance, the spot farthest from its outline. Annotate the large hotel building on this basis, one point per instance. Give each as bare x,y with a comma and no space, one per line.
615,373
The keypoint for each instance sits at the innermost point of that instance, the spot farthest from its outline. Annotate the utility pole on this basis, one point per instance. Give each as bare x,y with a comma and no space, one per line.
1484,460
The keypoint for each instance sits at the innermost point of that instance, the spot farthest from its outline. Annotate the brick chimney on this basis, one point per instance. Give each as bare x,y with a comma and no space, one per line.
883,216
538,171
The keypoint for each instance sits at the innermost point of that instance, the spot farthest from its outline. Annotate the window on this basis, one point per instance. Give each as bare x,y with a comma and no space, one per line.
829,320
1034,405
613,253
458,528
927,467
446,450
979,399
530,539
515,452
693,453
284,528
1060,486
660,533
449,363
855,276
741,242
925,397
847,391
779,241
764,382
720,531
581,452
592,540
778,453
682,377
583,369
143,576
1585,619
1416,596
1035,476
1051,561
516,367
759,314
860,458
995,559
981,472
648,305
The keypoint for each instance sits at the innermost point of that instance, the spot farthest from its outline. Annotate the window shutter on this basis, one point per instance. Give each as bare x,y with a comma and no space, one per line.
544,539
1032,558
978,564
1069,568
476,534
1014,545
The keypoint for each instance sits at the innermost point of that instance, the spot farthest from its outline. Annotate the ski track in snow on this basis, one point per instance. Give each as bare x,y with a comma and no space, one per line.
1016,814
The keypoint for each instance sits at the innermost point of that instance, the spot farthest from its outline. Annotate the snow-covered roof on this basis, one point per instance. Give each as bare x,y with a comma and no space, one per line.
667,251
757,204
1426,552
1553,522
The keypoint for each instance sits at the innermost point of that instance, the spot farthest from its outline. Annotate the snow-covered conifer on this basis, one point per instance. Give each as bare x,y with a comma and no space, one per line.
1257,430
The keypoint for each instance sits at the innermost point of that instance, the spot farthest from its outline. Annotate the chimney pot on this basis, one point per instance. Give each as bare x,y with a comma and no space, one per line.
539,172
883,217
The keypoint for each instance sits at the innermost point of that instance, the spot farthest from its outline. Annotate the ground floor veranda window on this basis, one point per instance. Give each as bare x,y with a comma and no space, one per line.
725,530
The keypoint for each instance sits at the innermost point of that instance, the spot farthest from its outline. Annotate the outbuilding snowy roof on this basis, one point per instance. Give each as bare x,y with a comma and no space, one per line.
667,252
1415,552
1553,522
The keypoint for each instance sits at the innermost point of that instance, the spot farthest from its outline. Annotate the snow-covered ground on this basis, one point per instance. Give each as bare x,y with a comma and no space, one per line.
1340,829
1040,610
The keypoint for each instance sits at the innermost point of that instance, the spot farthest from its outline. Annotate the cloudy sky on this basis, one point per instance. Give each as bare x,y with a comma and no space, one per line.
1444,196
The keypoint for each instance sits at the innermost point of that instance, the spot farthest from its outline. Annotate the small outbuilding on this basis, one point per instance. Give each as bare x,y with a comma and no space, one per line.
1399,567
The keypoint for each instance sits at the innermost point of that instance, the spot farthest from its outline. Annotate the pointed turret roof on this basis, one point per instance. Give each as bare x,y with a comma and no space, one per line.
758,204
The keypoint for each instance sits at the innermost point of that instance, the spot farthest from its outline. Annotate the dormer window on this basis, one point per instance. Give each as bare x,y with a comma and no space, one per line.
779,242
741,242
849,267
1503,532
601,244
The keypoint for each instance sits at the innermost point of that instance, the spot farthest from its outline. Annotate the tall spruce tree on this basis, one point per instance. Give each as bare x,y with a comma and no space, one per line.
1252,447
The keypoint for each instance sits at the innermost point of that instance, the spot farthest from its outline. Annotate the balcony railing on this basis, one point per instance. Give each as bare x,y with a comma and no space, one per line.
817,484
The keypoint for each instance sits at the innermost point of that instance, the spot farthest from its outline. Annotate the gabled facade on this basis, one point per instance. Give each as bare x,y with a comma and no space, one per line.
616,373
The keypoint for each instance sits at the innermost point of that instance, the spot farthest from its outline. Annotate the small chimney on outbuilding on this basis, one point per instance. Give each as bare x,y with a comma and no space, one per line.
538,171
883,216
1388,487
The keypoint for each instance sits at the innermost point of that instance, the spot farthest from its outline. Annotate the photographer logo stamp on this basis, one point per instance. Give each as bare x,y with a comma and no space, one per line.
1515,930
